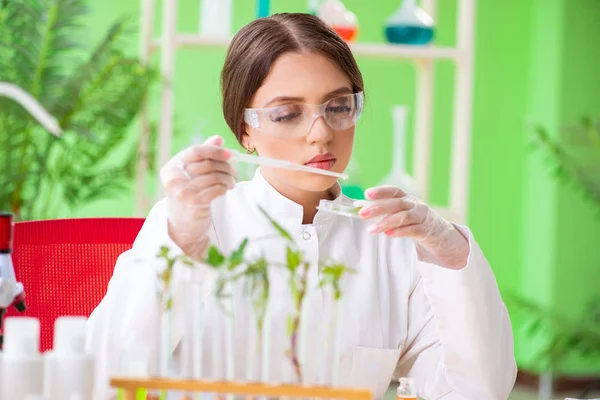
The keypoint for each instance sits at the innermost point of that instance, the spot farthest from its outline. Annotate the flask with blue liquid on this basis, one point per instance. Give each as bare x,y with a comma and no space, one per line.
410,25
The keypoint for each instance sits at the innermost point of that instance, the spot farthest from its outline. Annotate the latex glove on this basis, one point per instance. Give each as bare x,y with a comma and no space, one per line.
192,179
402,215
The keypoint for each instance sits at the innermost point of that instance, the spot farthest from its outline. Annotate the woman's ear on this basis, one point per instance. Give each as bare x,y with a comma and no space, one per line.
245,140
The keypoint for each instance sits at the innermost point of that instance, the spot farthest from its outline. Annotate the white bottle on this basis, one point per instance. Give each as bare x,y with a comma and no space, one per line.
22,365
69,370
216,18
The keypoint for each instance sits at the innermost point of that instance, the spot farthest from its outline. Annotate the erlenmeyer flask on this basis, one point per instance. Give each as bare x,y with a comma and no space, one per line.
410,24
344,22
398,175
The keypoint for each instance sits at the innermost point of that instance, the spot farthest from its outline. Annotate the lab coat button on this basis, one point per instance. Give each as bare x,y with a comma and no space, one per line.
306,235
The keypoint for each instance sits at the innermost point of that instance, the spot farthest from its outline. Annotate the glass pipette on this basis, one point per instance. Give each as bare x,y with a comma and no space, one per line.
273,162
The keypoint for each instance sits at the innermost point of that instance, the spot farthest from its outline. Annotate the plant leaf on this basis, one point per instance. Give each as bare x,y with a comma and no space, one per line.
214,257
290,325
568,169
163,252
237,257
285,234
294,258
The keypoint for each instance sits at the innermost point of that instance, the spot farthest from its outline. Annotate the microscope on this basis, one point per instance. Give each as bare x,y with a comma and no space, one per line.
12,293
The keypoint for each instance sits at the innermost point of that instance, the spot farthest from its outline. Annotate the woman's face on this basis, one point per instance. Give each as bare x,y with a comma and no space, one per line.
308,78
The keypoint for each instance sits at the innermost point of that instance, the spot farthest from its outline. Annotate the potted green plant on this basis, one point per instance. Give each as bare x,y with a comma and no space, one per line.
94,96
579,167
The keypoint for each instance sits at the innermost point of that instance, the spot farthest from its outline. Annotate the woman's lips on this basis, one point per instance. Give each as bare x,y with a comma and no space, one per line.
322,161
327,164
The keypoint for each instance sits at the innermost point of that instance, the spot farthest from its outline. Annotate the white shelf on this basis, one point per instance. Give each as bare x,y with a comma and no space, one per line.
360,49
403,51
195,41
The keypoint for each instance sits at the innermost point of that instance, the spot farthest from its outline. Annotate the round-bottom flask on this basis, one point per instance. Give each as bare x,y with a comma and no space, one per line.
410,25
341,20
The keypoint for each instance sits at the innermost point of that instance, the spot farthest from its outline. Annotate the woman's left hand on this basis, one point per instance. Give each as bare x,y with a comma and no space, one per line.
402,215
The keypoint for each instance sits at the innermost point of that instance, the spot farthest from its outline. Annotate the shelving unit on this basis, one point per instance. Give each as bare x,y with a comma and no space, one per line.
361,49
422,56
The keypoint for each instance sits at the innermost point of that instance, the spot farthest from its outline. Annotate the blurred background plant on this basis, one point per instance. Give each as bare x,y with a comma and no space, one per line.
94,94
575,161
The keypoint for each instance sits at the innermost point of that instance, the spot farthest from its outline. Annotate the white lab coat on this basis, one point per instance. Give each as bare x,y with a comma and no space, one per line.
402,317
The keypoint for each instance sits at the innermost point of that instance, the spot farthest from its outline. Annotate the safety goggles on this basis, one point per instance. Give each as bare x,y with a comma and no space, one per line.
294,120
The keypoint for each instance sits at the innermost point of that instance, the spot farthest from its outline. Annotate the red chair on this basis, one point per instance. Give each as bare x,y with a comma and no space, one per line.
65,265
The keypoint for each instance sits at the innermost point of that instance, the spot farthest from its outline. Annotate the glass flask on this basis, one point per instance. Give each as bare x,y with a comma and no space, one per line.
341,20
409,25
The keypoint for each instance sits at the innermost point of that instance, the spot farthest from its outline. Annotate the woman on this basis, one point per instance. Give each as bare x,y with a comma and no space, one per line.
424,301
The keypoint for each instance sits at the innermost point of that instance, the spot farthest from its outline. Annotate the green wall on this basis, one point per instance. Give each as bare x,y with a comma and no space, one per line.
533,64
561,230
577,276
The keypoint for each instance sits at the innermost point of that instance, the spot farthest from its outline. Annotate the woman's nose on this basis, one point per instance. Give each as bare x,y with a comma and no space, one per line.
319,131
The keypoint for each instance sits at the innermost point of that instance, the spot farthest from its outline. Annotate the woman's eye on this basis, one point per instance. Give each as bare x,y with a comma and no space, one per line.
284,117
339,109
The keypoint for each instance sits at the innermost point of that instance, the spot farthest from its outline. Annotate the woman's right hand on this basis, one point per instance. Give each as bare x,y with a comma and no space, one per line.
192,180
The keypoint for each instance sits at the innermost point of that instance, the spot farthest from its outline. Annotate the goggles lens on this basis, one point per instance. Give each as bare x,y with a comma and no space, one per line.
294,120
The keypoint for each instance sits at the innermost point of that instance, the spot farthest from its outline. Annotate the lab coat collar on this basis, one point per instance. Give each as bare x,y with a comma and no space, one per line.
280,206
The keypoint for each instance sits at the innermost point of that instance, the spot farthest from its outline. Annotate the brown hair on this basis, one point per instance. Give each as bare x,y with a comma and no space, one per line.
260,43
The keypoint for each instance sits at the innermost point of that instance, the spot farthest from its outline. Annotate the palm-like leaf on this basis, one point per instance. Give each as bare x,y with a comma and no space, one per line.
95,97
564,336
577,161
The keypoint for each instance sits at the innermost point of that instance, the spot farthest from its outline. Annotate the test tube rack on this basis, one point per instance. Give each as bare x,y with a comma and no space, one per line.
130,387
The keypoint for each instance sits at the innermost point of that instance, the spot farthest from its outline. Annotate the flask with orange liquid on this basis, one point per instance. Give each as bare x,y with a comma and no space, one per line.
340,19
407,390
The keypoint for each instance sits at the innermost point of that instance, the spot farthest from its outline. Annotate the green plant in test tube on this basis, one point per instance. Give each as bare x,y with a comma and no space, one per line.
254,273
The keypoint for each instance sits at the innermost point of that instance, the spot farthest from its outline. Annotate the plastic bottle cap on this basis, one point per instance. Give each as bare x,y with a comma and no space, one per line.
21,336
69,335
6,232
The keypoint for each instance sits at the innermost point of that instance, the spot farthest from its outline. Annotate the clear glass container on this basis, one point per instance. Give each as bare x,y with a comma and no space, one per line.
407,389
339,209
410,25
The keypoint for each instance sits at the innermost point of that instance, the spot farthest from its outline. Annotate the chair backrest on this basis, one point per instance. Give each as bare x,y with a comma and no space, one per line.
65,265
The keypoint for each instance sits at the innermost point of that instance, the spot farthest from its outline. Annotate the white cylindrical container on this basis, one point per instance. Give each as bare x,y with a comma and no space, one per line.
216,18
22,365
69,370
